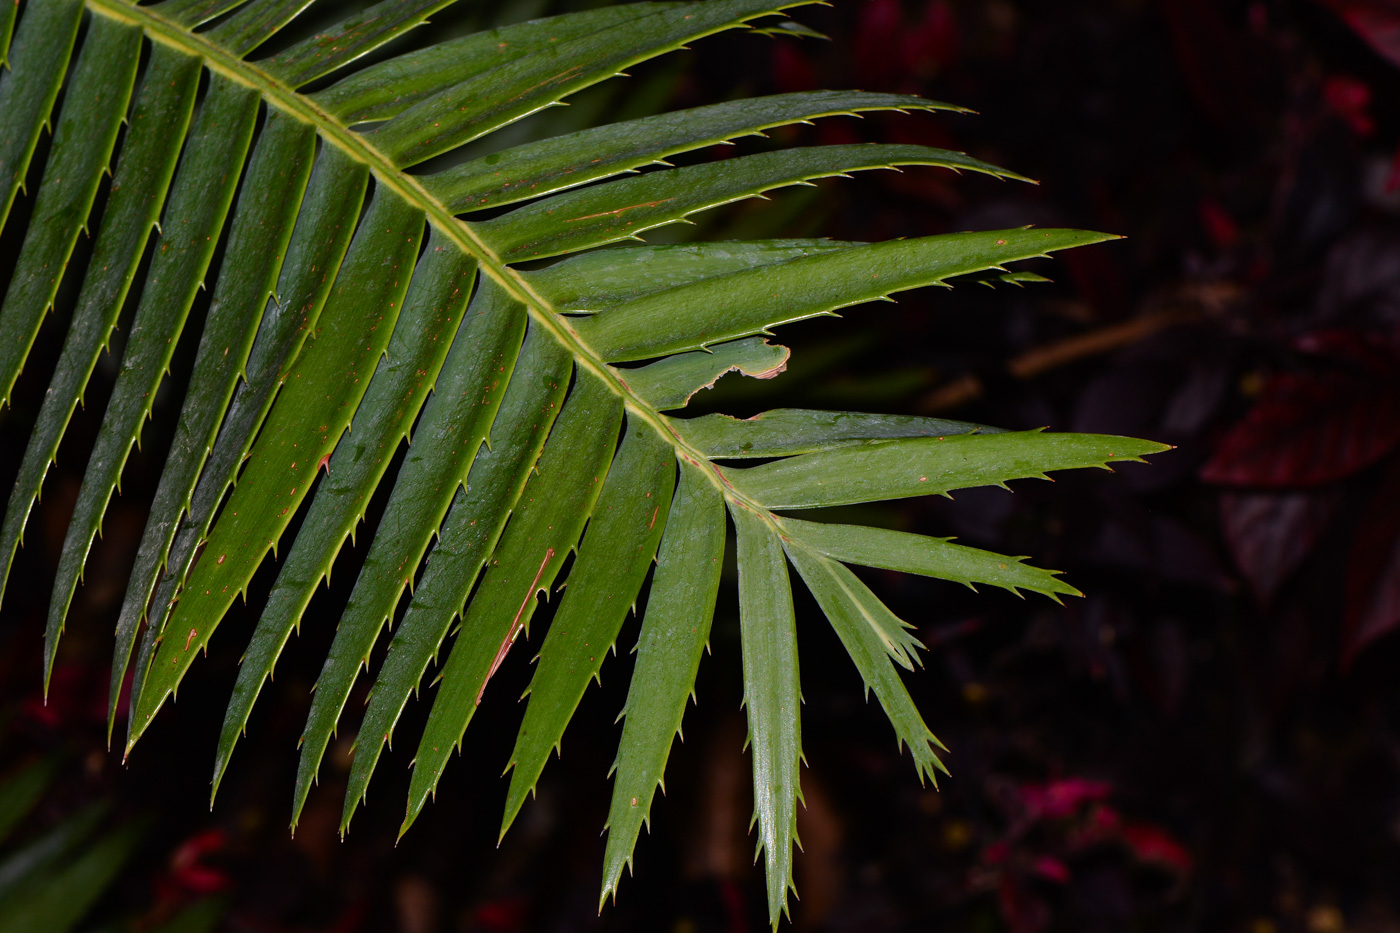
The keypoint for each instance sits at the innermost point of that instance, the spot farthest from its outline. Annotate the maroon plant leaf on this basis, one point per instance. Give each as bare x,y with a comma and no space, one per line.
1372,594
1213,59
1376,21
1021,909
1310,428
1270,533
1153,845
1058,799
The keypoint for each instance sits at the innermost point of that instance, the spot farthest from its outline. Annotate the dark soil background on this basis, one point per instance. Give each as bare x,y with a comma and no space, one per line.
1208,740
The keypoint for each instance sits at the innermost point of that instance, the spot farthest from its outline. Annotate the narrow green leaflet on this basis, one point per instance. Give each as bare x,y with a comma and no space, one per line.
627,207
98,94
613,560
262,225
787,431
474,107
929,557
314,408
20,791
254,24
388,88
325,223
772,698
56,901
545,526
433,312
675,632
607,278
31,860
347,40
467,538
200,917
928,466
726,307
467,397
133,206
7,28
199,202
560,162
670,383
833,583
876,640
37,61
192,13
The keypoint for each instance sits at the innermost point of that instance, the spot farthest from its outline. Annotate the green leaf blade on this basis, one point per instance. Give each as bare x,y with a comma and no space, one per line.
54,903
143,174
325,223
31,860
876,640
255,23
97,99
675,632
928,466
468,396
21,791
728,307
467,539
476,106
929,557
192,13
199,201
613,560
433,313
7,29
388,88
670,383
627,207
302,430
356,35
784,432
545,526
37,60
607,278
541,168
772,698
262,226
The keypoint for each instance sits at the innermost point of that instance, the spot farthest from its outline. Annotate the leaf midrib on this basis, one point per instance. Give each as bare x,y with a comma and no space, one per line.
357,147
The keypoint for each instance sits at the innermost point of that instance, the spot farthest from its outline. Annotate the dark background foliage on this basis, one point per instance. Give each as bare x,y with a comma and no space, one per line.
1209,740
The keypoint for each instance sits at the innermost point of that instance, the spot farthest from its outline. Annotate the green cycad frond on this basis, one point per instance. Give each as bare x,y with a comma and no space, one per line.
359,306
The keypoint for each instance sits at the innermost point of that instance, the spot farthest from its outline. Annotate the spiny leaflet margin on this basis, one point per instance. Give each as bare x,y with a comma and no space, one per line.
355,146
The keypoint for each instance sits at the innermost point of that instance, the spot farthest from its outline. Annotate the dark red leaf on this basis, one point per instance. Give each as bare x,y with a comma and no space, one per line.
1022,910
1373,574
1052,869
1222,229
1270,533
188,870
503,915
932,44
1212,59
1154,846
791,70
1059,799
1376,21
1310,428
878,35
1350,99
